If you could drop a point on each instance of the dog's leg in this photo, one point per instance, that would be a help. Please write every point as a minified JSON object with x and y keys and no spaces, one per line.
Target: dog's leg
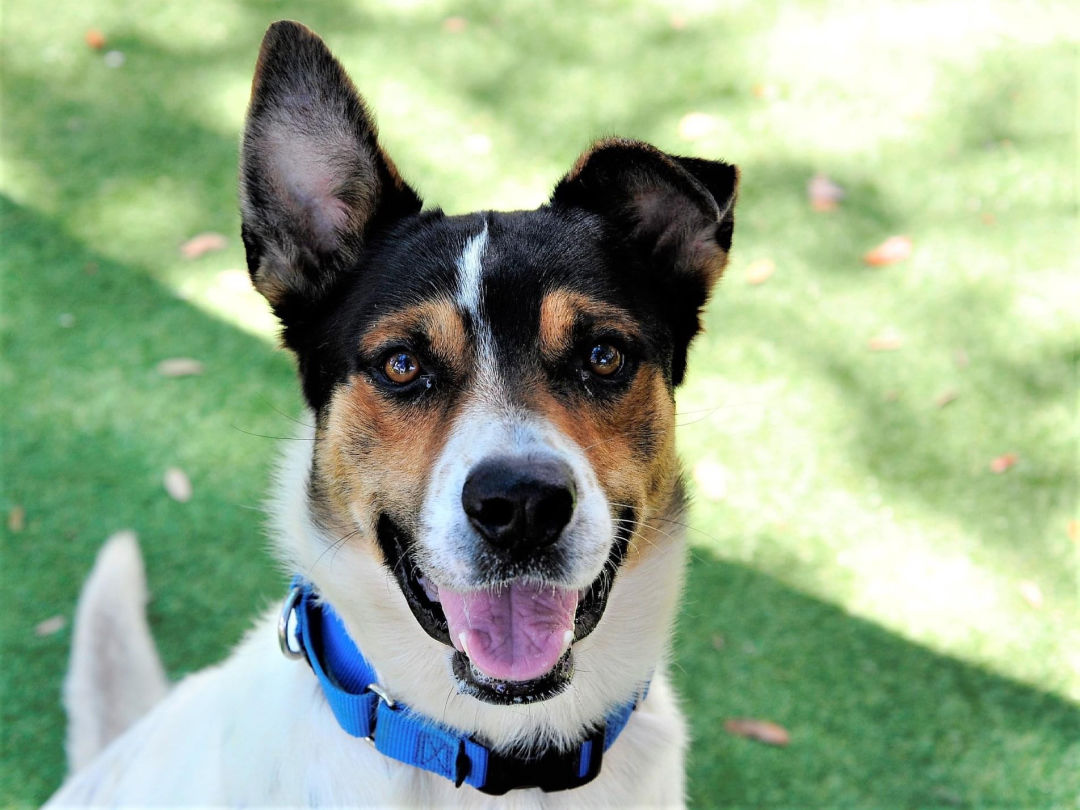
{"x":115,"y":674}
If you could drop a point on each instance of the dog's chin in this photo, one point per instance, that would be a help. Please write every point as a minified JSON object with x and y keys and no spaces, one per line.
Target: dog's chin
{"x":423,"y":599}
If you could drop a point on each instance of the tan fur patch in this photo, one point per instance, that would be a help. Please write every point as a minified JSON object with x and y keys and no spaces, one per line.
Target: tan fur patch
{"x":559,"y":312}
{"x":611,"y":437}
{"x":439,"y":320}
{"x":374,"y":455}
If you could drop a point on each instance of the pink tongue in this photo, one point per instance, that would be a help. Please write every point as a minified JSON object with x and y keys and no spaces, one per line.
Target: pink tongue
{"x":514,"y":633}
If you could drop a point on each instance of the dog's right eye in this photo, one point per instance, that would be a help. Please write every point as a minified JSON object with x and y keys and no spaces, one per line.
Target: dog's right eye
{"x":401,"y":368}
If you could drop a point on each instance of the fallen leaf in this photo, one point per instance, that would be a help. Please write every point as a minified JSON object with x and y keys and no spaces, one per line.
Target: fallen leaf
{"x":1003,"y":462}
{"x":988,"y":218}
{"x":696,"y":125}
{"x":824,"y":194}
{"x":50,"y":626}
{"x":16,"y":519}
{"x":757,"y":272}
{"x":946,"y":397}
{"x":1072,"y":528}
{"x":677,"y":21}
{"x":179,"y":367}
{"x":892,"y":395}
{"x":202,"y":244}
{"x":760,"y":730}
{"x":888,"y":340}
{"x":711,"y":479}
{"x":95,"y":39}
{"x":1032,"y":593}
{"x":455,"y":25}
{"x":892,"y":250}
{"x":764,"y":90}
{"x":177,"y":484}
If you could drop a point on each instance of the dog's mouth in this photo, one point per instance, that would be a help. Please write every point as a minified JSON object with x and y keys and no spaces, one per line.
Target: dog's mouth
{"x":513,"y":642}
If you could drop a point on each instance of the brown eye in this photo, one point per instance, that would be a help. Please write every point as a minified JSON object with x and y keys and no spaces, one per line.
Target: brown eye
{"x":401,"y":368}
{"x":605,"y":360}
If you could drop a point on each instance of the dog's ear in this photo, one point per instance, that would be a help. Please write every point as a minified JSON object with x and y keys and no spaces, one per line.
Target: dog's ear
{"x":676,"y":213}
{"x":314,"y":183}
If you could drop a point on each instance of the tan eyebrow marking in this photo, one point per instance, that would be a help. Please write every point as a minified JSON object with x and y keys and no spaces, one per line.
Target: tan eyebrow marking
{"x":438,"y":319}
{"x":559,"y":312}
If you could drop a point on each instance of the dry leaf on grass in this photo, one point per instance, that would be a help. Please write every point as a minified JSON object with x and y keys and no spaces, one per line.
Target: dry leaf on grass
{"x":1032,"y":593}
{"x":179,"y":367}
{"x":760,"y":730}
{"x":50,"y":626}
{"x":1005,"y":461}
{"x":202,"y":244}
{"x":824,"y":194}
{"x":1073,"y":530}
{"x":888,"y":340}
{"x":757,"y":272}
{"x":892,"y":250}
{"x":177,"y":484}
{"x":946,"y":397}
{"x":16,"y":519}
{"x":95,"y":39}
{"x":455,"y":25}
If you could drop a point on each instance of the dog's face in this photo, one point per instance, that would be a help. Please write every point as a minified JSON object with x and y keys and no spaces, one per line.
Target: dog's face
{"x":493,"y":393}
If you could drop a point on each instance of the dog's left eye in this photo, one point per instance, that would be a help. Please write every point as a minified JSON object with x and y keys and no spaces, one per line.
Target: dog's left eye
{"x":605,"y":360}
{"x":401,"y":368}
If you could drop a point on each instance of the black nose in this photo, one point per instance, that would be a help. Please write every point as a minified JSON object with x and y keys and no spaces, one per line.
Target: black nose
{"x":519,"y":503}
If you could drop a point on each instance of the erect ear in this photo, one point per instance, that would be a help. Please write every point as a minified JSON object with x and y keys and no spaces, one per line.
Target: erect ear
{"x":314,"y":183}
{"x":677,"y":214}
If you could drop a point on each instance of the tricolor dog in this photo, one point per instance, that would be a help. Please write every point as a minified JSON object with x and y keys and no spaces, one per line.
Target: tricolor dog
{"x":484,"y":525}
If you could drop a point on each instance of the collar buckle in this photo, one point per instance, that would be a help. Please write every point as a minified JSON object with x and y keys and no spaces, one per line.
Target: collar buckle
{"x":288,"y":625}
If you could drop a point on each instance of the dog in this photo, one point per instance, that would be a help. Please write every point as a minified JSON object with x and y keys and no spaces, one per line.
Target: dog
{"x":484,"y":523}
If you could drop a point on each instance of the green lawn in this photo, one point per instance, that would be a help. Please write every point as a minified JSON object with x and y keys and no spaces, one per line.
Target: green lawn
{"x":859,"y":574}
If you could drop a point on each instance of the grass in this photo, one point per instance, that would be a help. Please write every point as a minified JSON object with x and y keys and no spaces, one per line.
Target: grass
{"x":859,"y":575}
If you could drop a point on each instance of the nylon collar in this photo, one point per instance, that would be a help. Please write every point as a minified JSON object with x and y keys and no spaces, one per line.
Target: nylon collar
{"x":364,"y":709}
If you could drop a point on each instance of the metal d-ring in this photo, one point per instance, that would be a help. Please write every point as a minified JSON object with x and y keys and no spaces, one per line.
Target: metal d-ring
{"x":287,"y":610}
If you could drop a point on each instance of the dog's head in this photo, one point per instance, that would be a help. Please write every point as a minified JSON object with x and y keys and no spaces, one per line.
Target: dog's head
{"x":493,"y":457}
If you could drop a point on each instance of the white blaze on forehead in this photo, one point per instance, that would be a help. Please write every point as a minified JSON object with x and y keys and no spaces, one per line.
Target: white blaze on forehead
{"x":471,"y":273}
{"x":470,"y":265}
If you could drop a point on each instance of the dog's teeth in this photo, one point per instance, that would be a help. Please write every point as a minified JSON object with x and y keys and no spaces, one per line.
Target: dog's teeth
{"x":461,"y":641}
{"x":567,"y":640}
{"x":430,"y":590}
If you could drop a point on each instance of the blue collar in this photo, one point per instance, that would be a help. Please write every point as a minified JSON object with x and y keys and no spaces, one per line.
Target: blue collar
{"x":364,"y":709}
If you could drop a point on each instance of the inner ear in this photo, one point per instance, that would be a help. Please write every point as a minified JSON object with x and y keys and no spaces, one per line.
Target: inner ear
{"x":314,"y":182}
{"x":675,"y":215}
{"x":678,"y":211}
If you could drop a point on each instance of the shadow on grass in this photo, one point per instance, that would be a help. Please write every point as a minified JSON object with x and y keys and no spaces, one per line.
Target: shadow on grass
{"x":89,"y":428}
{"x":875,"y":720}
